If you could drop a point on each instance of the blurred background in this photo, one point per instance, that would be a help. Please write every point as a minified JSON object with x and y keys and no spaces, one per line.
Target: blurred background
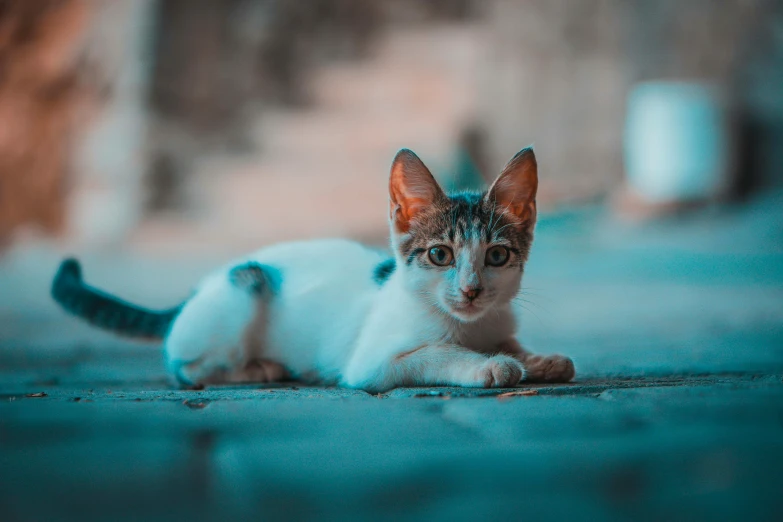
{"x":156,"y":138}
{"x":173,"y":122}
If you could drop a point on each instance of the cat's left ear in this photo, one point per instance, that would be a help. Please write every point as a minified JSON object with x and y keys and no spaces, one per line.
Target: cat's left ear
{"x":412,"y":189}
{"x":515,"y":189}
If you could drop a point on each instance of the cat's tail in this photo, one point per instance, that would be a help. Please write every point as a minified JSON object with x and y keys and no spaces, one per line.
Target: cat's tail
{"x":106,"y":311}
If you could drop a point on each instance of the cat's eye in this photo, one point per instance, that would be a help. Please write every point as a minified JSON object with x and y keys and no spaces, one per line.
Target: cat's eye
{"x":441,"y":255}
{"x":496,"y":256}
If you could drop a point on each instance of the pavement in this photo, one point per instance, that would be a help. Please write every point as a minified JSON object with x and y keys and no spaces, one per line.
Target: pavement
{"x":675,"y":326}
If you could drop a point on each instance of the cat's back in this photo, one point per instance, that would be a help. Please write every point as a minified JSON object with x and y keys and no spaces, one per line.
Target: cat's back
{"x":312,"y":259}
{"x":301,"y":264}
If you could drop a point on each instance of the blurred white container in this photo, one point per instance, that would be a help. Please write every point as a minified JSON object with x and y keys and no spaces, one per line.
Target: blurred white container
{"x":676,"y":142}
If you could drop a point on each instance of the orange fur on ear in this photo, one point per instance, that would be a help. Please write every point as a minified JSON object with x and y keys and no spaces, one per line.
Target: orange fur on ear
{"x":412,"y":189}
{"x":515,"y":189}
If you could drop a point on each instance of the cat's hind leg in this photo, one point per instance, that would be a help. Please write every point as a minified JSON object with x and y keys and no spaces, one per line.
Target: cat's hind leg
{"x":200,"y":372}
{"x":219,"y":334}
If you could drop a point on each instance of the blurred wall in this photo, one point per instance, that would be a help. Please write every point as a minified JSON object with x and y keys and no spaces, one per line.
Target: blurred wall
{"x":220,"y":65}
{"x":40,"y":45}
{"x":555,"y":77}
{"x":73,"y":133}
{"x":558,"y":74}
{"x":110,"y":156}
{"x":110,"y":109}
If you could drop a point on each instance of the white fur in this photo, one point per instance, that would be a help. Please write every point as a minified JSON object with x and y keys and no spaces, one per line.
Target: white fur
{"x":329,"y":322}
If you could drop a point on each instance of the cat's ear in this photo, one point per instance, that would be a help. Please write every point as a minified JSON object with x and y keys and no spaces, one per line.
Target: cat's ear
{"x":412,"y":189}
{"x":515,"y":189}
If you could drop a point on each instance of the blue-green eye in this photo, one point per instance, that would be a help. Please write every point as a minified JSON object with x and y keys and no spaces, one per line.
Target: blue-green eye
{"x":496,"y":256}
{"x":441,"y":255}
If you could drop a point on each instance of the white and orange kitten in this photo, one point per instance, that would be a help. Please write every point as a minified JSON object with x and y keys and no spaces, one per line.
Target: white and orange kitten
{"x":335,"y":312}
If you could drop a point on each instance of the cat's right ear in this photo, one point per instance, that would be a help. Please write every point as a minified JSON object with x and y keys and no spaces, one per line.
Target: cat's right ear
{"x":412,"y":189}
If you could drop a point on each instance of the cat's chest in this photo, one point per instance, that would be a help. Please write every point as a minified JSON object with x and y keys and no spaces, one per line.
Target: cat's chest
{"x":406,"y":320}
{"x":483,"y":335}
{"x":422,"y":325}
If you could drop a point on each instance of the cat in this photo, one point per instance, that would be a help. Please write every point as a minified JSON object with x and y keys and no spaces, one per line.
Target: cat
{"x":336,"y":312}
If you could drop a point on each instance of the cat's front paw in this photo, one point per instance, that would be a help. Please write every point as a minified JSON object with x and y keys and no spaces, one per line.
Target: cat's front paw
{"x":549,"y":368}
{"x":500,"y":371}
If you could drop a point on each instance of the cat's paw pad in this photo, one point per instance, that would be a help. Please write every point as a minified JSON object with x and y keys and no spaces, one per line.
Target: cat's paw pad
{"x":549,"y":368}
{"x":500,"y":371}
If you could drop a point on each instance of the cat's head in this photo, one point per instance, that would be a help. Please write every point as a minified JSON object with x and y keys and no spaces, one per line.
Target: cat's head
{"x":463,"y":253}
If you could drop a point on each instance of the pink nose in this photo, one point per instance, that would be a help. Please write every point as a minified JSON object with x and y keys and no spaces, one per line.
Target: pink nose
{"x":471,"y":293}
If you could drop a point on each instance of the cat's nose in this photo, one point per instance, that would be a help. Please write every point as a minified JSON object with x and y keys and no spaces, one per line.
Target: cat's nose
{"x":472,"y":292}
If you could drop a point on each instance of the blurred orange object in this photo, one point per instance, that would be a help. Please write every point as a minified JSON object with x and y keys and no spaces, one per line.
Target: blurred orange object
{"x":39,"y":49}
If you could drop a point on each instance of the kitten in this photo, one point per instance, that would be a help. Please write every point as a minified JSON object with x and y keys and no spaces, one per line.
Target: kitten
{"x":335,"y":312}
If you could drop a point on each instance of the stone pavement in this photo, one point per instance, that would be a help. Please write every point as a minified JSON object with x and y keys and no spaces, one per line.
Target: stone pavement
{"x":676,"y":329}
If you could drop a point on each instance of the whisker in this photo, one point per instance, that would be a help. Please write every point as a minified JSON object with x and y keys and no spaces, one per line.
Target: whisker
{"x":519,"y":300}
{"x":527,"y":292}
{"x":532,"y":312}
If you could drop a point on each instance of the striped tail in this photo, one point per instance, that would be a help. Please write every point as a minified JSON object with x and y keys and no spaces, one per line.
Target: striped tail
{"x":106,"y":311}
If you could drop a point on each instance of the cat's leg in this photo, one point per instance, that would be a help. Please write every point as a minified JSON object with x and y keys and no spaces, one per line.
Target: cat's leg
{"x":436,"y":365}
{"x":261,"y":370}
{"x":217,"y":337}
{"x":540,"y":368}
{"x":200,"y":372}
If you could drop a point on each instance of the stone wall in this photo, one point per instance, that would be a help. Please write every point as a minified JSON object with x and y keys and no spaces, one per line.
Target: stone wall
{"x":40,"y":44}
{"x":554,"y":77}
{"x":558,"y":73}
{"x":110,"y":156}
{"x":72,"y":107}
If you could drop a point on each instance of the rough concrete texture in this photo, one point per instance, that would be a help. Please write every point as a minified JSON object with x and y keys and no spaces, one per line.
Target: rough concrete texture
{"x":677,"y":414}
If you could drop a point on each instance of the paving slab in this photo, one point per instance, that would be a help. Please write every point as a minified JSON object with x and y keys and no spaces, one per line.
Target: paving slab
{"x":634,"y":451}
